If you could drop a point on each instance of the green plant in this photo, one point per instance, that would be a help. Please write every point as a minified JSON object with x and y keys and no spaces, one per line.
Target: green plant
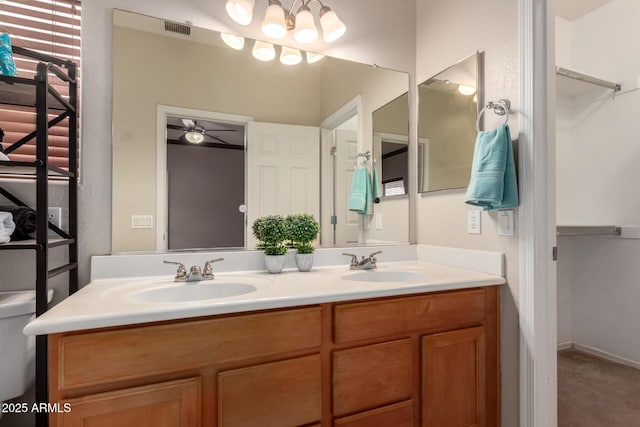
{"x":302,"y":229}
{"x":271,"y":231}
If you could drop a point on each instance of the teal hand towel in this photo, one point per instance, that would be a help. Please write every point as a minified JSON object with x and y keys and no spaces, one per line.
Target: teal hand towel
{"x":375,"y":192}
{"x":493,"y":182}
{"x":360,"y":200}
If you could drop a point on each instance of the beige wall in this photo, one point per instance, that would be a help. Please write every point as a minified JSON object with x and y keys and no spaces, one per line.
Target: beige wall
{"x":447,"y":32}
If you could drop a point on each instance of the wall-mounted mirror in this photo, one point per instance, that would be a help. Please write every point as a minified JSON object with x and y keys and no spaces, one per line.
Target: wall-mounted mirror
{"x":175,"y":92}
{"x":448,"y":106}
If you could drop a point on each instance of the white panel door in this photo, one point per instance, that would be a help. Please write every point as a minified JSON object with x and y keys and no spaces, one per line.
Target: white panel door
{"x":283,"y":171}
{"x":346,"y":153}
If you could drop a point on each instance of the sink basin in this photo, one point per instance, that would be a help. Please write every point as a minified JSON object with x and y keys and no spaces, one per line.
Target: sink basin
{"x":385,"y":276}
{"x":182,"y":292}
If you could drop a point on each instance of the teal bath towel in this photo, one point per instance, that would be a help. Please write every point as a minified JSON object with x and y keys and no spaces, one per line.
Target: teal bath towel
{"x":360,"y":198}
{"x":375,"y":192}
{"x":493,"y":182}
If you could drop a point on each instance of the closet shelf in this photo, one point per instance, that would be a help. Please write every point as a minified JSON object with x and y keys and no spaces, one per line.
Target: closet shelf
{"x":574,"y":83}
{"x":588,"y":230}
{"x":29,"y":169}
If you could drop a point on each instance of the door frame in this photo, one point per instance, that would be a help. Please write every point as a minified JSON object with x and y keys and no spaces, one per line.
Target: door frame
{"x":537,"y":221}
{"x":162,"y":111}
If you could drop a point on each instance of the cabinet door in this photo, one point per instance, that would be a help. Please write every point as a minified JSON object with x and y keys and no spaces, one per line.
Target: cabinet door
{"x":168,"y":404}
{"x":454,"y":378}
{"x":397,"y":415}
{"x":279,"y":394}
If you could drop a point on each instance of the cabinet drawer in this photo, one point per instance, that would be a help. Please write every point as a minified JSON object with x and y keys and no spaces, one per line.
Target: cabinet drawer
{"x":285,"y":393}
{"x":371,"y":376}
{"x":168,"y":404}
{"x":373,"y":319}
{"x":398,"y":415}
{"x":103,"y":357}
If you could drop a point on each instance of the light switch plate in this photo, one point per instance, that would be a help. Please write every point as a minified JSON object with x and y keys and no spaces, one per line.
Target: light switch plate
{"x":378,"y":221}
{"x":505,"y":223}
{"x":473,"y":222}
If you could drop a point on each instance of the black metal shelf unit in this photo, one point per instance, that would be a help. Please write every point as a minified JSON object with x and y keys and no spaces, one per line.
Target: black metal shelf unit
{"x":39,"y":94}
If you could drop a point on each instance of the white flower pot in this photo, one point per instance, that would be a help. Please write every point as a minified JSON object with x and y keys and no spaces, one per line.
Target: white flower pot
{"x":304,"y":261}
{"x":274,"y":263}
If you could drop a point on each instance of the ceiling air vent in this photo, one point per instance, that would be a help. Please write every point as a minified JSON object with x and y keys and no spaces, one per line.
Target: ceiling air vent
{"x":176,"y":27}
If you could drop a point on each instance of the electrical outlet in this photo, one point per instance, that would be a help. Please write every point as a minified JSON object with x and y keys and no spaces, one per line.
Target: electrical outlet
{"x":55,"y":216}
{"x":473,"y":222}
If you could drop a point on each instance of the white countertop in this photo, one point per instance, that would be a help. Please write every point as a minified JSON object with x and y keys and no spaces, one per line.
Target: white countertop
{"x":114,"y":302}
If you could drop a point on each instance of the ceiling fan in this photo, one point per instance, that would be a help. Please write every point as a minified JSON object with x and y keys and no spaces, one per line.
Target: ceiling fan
{"x":194,"y":133}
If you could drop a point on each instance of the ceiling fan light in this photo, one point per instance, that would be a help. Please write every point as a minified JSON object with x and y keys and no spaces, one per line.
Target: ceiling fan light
{"x":274,"y":25}
{"x":290,"y":56}
{"x":332,"y":27}
{"x":305,"y":31}
{"x":312,"y":58}
{"x":263,"y":51}
{"x":241,"y":11}
{"x":466,"y":90}
{"x":194,"y":136}
{"x":233,"y":41}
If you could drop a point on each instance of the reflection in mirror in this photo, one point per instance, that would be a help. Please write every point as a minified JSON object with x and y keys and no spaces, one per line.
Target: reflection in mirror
{"x":287,"y":113}
{"x":447,"y":111}
{"x":391,"y":163}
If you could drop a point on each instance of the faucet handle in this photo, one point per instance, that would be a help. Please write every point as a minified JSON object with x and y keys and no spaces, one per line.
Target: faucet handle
{"x":208,"y":268}
{"x":375,"y":253}
{"x":354,"y":258}
{"x":182,"y":271}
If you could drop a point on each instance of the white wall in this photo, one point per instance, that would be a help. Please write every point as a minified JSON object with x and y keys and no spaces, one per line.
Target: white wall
{"x":598,"y":149}
{"x":447,"y":32}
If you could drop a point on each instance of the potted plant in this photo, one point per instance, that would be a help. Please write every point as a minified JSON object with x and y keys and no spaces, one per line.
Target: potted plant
{"x":302,"y":231}
{"x":271,"y":231}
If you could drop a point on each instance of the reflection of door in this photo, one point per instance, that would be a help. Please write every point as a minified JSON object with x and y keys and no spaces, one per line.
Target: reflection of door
{"x":205,"y":188}
{"x":346,"y":152}
{"x":283,"y":171}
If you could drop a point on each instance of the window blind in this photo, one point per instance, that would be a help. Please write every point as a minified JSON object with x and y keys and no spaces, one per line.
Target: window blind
{"x":51,"y":27}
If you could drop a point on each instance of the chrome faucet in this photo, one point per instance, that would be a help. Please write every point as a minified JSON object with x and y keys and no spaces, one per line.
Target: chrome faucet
{"x":196,"y":274}
{"x":367,"y":263}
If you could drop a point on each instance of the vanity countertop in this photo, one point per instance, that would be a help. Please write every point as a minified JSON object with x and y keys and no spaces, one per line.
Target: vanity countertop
{"x":117,"y":302}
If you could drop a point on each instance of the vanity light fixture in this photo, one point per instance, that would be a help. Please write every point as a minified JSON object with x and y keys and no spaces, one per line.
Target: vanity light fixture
{"x":312,"y":58}
{"x":290,"y":56}
{"x":240,"y":11}
{"x":233,"y":41}
{"x":466,"y":90}
{"x":263,"y":51}
{"x":278,"y":21}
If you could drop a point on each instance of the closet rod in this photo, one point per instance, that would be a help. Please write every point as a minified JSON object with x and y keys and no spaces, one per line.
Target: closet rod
{"x":588,"y":79}
{"x":589,"y":230}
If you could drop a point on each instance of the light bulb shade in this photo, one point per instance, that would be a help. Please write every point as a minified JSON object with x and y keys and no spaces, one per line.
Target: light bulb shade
{"x":194,"y":136}
{"x":466,"y":90}
{"x":233,"y":41}
{"x":290,"y":56}
{"x":305,"y":31}
{"x":274,"y":25}
{"x":263,"y":51}
{"x":240,"y":11}
{"x":313,"y":57}
{"x":332,"y":26}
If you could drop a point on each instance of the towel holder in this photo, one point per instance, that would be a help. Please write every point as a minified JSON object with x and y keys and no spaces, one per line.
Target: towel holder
{"x":500,"y":107}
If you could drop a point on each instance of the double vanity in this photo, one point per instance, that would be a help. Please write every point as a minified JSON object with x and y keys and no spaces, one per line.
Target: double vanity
{"x":409,"y":343}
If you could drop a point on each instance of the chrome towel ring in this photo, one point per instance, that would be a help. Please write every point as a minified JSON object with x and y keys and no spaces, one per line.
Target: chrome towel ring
{"x":500,"y":107}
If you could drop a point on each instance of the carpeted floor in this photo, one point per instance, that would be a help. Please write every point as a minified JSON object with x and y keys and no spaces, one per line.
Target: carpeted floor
{"x":594,"y":392}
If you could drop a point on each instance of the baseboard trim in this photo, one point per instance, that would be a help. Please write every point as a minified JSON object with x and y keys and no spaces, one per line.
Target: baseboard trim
{"x":565,"y":345}
{"x":599,"y":353}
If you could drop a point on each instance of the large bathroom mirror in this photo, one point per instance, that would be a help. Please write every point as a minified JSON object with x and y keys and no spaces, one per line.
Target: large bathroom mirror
{"x":448,"y":107}
{"x":206,"y":138}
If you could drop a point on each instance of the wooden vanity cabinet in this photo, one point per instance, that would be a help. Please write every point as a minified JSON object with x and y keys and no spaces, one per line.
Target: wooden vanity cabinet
{"x":421,"y":360}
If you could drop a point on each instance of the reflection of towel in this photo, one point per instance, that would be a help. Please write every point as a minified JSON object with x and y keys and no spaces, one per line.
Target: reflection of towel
{"x":375,"y":193}
{"x":360,"y":199}
{"x":493,"y":182}
{"x":24,"y":219}
{"x":6,"y":226}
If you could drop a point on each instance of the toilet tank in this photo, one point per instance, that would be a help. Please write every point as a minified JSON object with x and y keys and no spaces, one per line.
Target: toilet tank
{"x":17,"y":351}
